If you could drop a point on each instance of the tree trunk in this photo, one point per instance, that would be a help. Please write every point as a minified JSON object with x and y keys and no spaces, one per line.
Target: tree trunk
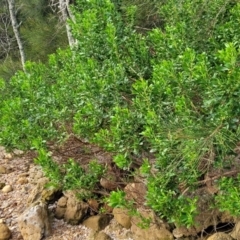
{"x":64,"y":8}
{"x":11,"y":7}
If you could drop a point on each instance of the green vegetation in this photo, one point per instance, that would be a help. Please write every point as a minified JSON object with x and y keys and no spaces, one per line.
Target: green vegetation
{"x":71,"y":175}
{"x":170,"y":93}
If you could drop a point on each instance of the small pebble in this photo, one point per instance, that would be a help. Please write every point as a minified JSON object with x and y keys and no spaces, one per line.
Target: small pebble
{"x":7,"y":188}
{"x":8,"y":156}
{"x":22,"y":180}
{"x":3,"y":170}
{"x":5,"y":233}
{"x":18,"y":152}
{"x":24,"y":175}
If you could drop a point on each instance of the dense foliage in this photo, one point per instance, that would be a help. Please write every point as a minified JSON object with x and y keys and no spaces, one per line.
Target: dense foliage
{"x":165,"y":99}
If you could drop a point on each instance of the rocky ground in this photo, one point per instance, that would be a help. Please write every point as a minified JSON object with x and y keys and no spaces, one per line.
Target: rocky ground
{"x":19,"y":175}
{"x":18,"y":178}
{"x":22,"y":189}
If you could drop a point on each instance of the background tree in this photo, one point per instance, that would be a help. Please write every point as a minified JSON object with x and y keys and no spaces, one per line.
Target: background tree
{"x":15,"y":26}
{"x":41,"y":32}
{"x":9,"y":53}
{"x":6,"y":40}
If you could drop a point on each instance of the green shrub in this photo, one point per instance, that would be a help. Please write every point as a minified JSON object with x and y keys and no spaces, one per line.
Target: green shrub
{"x":71,"y":175}
{"x":167,"y":100}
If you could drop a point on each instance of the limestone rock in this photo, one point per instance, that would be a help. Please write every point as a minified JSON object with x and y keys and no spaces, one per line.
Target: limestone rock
{"x":34,"y":222}
{"x":62,"y":202}
{"x":184,"y":231}
{"x":76,"y":210}
{"x":35,"y":174}
{"x":122,"y":217}
{"x":158,"y":230}
{"x":40,"y":193}
{"x":24,"y":174}
{"x":3,"y":170}
{"x":5,"y":233}
{"x":220,"y":236}
{"x":59,"y":212}
{"x":8,"y":156}
{"x":7,"y":188}
{"x":18,"y":152}
{"x":61,"y":207}
{"x":154,"y":232}
{"x":98,"y":222}
{"x":102,"y":236}
{"x":49,"y":194}
{"x":22,"y":180}
{"x":235,"y":234}
{"x":118,"y":231}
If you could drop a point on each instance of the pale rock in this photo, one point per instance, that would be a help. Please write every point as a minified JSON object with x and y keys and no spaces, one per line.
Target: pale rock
{"x":235,"y":234}
{"x":177,"y":233}
{"x":184,"y":231}
{"x":34,"y":222}
{"x":158,"y":230}
{"x":18,"y":152}
{"x":59,"y":212}
{"x":119,"y":231}
{"x":220,"y":236}
{"x":5,"y":233}
{"x":154,"y":232}
{"x":40,"y":193}
{"x":3,"y":170}
{"x":62,"y":202}
{"x":101,"y":236}
{"x":22,"y":180}
{"x":7,"y":189}
{"x":76,"y":210}
{"x":122,"y":217}
{"x":24,"y":174}
{"x":61,"y":207}
{"x":98,"y":222}
{"x":42,"y":181}
{"x":35,"y":173}
{"x":49,"y":194}
{"x":8,"y":156}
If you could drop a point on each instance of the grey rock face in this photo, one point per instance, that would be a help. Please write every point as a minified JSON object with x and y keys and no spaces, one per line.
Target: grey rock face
{"x":34,"y":222}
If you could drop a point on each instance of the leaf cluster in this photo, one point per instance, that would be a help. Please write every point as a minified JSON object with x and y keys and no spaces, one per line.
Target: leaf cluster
{"x":71,"y":176}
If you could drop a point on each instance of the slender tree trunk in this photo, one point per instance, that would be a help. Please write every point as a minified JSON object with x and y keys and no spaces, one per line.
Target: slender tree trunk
{"x":11,"y":7}
{"x":64,"y":8}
